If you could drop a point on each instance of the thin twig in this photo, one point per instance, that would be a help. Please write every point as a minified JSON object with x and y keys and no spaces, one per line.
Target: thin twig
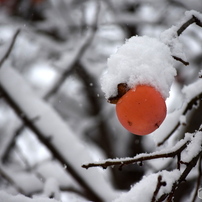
{"x":159,"y":184}
{"x":181,"y":60}
{"x":182,"y":28}
{"x":9,"y":48}
{"x":189,"y":22}
{"x":136,"y":159}
{"x":11,"y":144}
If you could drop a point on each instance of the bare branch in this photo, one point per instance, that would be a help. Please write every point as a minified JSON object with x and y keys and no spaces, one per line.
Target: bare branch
{"x":10,"y":48}
{"x":181,"y":60}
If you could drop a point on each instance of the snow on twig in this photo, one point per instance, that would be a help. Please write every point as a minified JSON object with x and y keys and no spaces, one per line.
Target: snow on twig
{"x":170,"y":36}
{"x":166,"y":181}
{"x":154,"y":188}
{"x":165,"y":153}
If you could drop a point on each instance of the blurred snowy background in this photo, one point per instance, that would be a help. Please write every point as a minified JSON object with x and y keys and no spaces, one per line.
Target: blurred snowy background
{"x":54,"y":69}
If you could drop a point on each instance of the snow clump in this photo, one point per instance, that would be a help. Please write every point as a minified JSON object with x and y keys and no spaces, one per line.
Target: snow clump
{"x":140,"y":61}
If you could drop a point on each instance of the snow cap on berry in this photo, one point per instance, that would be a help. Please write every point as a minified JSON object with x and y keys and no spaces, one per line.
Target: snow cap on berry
{"x":141,"y":60}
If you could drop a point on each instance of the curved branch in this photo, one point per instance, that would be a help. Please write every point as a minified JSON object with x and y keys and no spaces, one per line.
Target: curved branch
{"x":184,"y":26}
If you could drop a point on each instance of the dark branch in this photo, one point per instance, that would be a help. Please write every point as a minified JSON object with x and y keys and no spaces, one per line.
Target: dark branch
{"x":11,"y":144}
{"x":182,"y":29}
{"x":189,"y":22}
{"x":10,"y":48}
{"x":108,"y":163}
{"x":181,"y":60}
{"x":159,"y":184}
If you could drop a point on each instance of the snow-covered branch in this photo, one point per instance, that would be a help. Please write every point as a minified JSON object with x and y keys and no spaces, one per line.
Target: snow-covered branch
{"x":170,"y":36}
{"x":57,"y":137}
{"x":164,"y":153}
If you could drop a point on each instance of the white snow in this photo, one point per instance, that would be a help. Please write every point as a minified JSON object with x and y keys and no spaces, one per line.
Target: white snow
{"x":28,"y":182}
{"x":167,"y":126}
{"x":189,"y":92}
{"x":193,"y":148}
{"x":192,"y":90}
{"x":52,"y":169}
{"x":5,"y":197}
{"x":189,"y":14}
{"x":165,"y":150}
{"x":63,"y":139}
{"x":51,"y":188}
{"x":141,"y":60}
{"x":183,"y":120}
{"x":143,"y":191}
{"x":170,"y":38}
{"x":22,"y":180}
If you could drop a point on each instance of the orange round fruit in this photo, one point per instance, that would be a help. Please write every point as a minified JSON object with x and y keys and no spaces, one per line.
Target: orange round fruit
{"x":141,"y":110}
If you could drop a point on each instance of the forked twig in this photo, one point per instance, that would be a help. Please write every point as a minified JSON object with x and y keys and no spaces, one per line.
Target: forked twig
{"x":159,"y":184}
